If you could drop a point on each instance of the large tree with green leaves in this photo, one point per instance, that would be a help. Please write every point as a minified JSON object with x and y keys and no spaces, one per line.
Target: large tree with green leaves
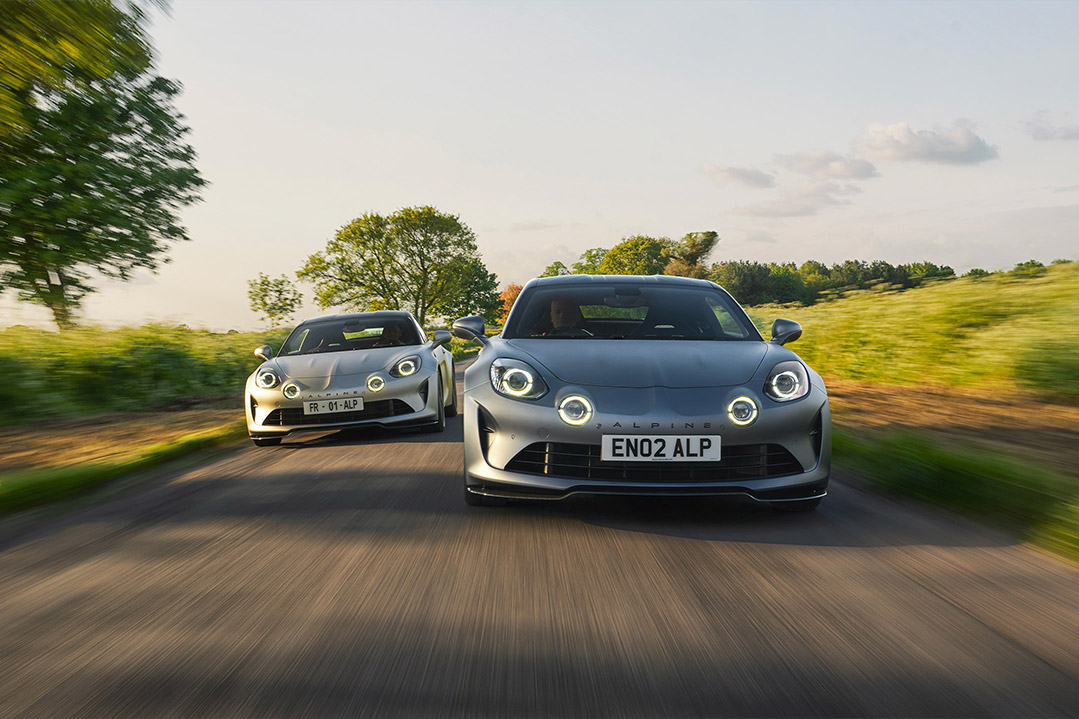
{"x":64,"y":44}
{"x":93,"y":185}
{"x":636,"y":255}
{"x":686,"y":257}
{"x":417,"y":259}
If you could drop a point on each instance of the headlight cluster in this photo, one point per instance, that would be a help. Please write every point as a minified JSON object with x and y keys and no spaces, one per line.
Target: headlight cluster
{"x":514,"y":378}
{"x":267,"y":379}
{"x":787,"y":381}
{"x":743,"y":411}
{"x":406,"y":367}
{"x":291,"y":390}
{"x":375,"y":383}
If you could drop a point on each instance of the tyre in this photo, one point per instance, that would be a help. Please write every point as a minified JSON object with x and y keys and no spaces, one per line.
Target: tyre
{"x":439,"y":425}
{"x":451,"y":408}
{"x":266,"y":441}
{"x":805,"y":505}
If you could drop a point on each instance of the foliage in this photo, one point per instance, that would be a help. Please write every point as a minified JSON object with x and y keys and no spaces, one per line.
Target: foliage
{"x":94,"y":184}
{"x":88,"y":371}
{"x":589,"y":262}
{"x":507,"y":298}
{"x":414,"y":259}
{"x":686,"y":256}
{"x":636,"y":255}
{"x":755,"y":283}
{"x":1035,"y":502}
{"x":274,"y":297}
{"x":1030,"y":268}
{"x":48,"y":45}
{"x":993,"y":331}
{"x":474,"y":292}
{"x":976,"y":272}
{"x":555,"y":269}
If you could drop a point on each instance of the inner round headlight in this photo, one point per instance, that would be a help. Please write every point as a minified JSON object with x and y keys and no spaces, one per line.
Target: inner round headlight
{"x":291,"y":390}
{"x":267,"y":379}
{"x":743,"y":411}
{"x":375,"y":383}
{"x":406,"y":367}
{"x":575,"y":410}
{"x":785,"y":384}
{"x":517,"y":381}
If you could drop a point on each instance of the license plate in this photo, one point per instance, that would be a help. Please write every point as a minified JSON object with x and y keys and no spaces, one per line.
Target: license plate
{"x":325,"y":406}
{"x":660,"y":448}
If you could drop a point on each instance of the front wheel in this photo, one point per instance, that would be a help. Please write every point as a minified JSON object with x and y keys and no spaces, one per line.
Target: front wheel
{"x":266,"y":441}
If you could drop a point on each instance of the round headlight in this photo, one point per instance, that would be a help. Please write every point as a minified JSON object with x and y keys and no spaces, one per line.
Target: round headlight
{"x":575,"y":410}
{"x":406,"y":367}
{"x":375,"y":383}
{"x":787,"y":381}
{"x":517,"y":381}
{"x":743,"y":411}
{"x":291,"y":390}
{"x":267,"y":379}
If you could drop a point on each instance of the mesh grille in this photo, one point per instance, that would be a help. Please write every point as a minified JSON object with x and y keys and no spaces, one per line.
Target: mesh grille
{"x":293,"y":416}
{"x":747,"y":461}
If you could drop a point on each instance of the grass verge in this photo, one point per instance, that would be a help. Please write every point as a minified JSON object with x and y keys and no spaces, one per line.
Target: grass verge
{"x":35,"y":487}
{"x":1041,"y":506}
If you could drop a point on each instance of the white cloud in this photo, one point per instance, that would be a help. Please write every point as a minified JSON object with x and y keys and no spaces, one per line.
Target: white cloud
{"x":1040,"y":128}
{"x":955,"y":145}
{"x":807,"y":201}
{"x":739,"y":175}
{"x":827,"y":165}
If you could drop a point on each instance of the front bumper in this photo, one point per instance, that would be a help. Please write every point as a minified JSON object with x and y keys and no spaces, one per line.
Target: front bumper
{"x":515,"y":449}
{"x":404,"y":402}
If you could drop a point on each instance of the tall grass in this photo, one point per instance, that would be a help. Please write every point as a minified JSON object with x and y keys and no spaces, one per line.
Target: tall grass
{"x":90,"y":370}
{"x":1007,"y":330}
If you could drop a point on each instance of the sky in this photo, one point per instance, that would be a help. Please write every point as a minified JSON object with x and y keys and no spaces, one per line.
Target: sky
{"x":906,"y":131}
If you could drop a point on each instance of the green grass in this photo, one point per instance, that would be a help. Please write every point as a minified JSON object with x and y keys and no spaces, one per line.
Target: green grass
{"x":35,"y":487}
{"x":1039,"y":505}
{"x":88,"y":371}
{"x":1007,"y":330}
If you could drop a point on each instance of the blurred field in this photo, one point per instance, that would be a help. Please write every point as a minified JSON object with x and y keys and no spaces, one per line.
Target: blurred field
{"x":1004,"y":332}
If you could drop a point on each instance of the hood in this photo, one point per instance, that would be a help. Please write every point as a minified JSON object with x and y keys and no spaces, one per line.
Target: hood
{"x":646,"y":363}
{"x":338,"y":364}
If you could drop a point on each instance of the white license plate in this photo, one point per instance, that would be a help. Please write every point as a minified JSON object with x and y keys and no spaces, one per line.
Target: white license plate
{"x":660,"y":448}
{"x":325,"y":406}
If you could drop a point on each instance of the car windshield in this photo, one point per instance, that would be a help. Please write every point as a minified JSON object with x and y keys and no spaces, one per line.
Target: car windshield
{"x":628,"y":311}
{"x":339,"y":335}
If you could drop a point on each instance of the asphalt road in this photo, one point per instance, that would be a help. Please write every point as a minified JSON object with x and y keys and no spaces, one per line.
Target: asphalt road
{"x":345,"y":576}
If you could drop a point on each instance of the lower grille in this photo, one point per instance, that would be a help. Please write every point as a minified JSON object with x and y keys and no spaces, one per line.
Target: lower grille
{"x":582,"y":461}
{"x":293,"y":416}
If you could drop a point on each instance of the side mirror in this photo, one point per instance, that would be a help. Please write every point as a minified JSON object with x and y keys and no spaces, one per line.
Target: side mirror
{"x":784,"y":331}
{"x":441,"y":337}
{"x":264,"y":353}
{"x":470,"y":328}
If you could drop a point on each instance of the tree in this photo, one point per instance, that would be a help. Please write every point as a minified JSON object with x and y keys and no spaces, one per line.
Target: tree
{"x":412,"y":259}
{"x":93,"y":184}
{"x":274,"y":297}
{"x":686,"y":257}
{"x":508,"y":297}
{"x":556,"y":269}
{"x":589,"y":262}
{"x":636,"y":255}
{"x":49,"y":45}
{"x":474,"y":292}
{"x":746,"y":281}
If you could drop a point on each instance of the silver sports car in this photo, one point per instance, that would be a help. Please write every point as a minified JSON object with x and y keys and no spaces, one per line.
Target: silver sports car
{"x":640,"y":385}
{"x":341,"y":371}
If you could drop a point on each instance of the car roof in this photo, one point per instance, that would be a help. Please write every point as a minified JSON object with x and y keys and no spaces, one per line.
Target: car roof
{"x":379,"y":315}
{"x":608,"y":279}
